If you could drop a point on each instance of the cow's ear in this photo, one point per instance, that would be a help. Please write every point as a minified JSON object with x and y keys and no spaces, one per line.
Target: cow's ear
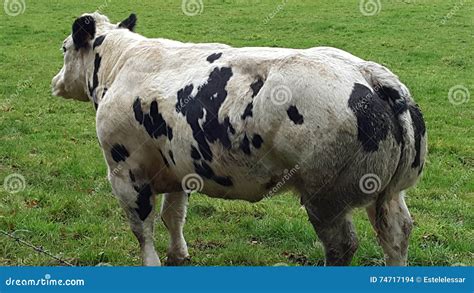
{"x":130,"y":22}
{"x":83,"y":31}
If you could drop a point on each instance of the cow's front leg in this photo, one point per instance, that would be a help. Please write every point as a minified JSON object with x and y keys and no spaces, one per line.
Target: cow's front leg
{"x":173,"y":214}
{"x":138,"y":201}
{"x":333,"y":224}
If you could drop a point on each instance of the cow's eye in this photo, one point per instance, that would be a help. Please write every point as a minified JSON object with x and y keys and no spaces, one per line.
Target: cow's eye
{"x":64,"y":49}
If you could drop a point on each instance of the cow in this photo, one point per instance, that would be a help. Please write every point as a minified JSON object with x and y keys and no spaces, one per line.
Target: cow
{"x":245,"y":124}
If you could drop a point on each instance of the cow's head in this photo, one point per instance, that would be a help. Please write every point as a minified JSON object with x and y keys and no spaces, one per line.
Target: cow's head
{"x":77,"y":49}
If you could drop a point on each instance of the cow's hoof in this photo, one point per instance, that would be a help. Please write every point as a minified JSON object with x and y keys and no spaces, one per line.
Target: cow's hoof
{"x":103,"y":264}
{"x":177,"y":261}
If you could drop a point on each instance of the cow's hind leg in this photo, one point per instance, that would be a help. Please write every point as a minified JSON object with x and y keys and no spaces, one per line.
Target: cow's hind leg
{"x":137,"y":199}
{"x":173,"y":214}
{"x":392,"y":223}
{"x":333,"y":224}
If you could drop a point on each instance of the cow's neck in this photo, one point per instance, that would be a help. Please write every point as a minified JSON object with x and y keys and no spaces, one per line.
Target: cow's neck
{"x":106,"y":62}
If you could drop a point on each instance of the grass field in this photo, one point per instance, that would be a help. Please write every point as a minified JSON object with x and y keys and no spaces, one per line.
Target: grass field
{"x":66,"y":205}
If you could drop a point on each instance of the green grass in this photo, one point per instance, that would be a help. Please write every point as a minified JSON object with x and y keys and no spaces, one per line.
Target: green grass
{"x":67,"y":205}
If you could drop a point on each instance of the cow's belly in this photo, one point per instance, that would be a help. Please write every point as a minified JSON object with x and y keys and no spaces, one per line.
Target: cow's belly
{"x":235,"y":175}
{"x":249,"y":191}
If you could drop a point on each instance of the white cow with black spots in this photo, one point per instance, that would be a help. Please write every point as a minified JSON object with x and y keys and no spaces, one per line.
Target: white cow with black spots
{"x":238,"y":119}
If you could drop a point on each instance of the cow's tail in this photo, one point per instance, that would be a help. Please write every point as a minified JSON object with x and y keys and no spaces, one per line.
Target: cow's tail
{"x":387,"y":85}
{"x":410,"y":126}
{"x":391,"y":217}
